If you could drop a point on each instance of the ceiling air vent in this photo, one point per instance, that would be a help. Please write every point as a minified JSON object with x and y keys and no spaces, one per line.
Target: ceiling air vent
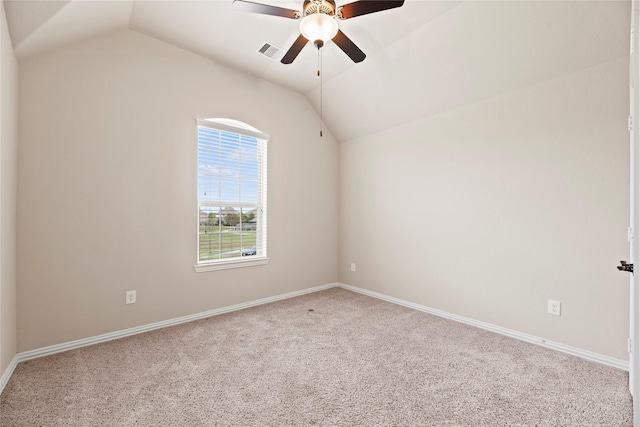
{"x":271,"y":51}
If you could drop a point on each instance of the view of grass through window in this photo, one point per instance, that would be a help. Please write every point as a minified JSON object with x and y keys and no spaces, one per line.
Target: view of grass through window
{"x":222,"y":235}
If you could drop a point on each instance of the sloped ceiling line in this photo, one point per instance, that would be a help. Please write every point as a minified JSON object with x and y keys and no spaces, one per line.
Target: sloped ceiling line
{"x":422,"y":58}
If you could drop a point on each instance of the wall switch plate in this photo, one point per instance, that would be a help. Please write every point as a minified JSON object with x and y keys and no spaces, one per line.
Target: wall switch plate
{"x":553,"y":307}
{"x":353,"y":266}
{"x":130,"y":297}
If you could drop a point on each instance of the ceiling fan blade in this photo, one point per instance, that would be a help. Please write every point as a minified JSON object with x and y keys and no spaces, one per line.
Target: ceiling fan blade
{"x":294,"y":50}
{"x":248,"y":6}
{"x":349,"y":47}
{"x":363,"y":7}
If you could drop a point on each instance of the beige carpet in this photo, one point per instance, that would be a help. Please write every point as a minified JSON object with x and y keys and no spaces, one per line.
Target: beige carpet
{"x":333,"y":358}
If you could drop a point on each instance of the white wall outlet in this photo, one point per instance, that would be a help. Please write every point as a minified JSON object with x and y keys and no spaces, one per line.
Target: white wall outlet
{"x":553,"y":307}
{"x":353,"y":266}
{"x":130,"y":297}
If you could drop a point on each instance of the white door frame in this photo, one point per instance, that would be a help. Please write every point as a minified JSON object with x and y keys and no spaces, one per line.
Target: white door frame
{"x":634,"y":291}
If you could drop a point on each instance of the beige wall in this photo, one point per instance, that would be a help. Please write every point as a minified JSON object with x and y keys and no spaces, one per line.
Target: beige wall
{"x":488,"y":211}
{"x":8,"y":164}
{"x":107,"y":188}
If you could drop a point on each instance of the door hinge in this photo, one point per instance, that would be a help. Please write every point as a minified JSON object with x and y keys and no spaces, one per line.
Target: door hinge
{"x":630,"y":123}
{"x":629,"y":234}
{"x":630,"y":345}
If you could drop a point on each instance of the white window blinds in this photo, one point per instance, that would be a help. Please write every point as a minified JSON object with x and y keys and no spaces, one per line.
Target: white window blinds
{"x":232,"y":159}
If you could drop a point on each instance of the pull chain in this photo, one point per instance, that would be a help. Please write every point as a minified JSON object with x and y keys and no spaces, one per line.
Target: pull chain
{"x":320,"y":75}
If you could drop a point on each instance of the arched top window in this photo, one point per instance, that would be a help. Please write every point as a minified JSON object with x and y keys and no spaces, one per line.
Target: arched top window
{"x":232,"y":194}
{"x":238,"y":125}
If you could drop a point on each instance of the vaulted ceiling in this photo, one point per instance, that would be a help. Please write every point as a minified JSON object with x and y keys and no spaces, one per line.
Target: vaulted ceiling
{"x":422,"y":59}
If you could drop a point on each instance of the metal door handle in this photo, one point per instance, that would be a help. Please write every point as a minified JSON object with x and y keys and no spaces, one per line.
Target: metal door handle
{"x":625,"y":267}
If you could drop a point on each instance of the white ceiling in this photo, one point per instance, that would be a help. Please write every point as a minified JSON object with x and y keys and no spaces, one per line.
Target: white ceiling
{"x":422,"y":59}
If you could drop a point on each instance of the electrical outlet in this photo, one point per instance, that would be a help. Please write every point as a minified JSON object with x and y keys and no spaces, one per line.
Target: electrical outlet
{"x":353,"y":266}
{"x":131,"y":297}
{"x":553,"y":307}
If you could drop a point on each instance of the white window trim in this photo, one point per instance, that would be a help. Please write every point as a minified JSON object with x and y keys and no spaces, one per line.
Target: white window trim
{"x":230,"y":263}
{"x":224,"y":264}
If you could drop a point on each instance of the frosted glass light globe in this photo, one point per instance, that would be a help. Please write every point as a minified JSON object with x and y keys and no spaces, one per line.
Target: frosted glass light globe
{"x":318,"y":26}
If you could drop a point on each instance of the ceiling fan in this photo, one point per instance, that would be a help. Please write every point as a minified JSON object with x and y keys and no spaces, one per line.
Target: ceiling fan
{"x":318,"y":23}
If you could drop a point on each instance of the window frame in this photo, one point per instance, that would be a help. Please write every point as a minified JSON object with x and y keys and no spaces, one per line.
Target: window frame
{"x":261,"y":258}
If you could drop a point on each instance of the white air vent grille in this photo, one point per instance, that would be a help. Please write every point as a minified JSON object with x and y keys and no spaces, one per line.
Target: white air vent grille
{"x":271,"y":51}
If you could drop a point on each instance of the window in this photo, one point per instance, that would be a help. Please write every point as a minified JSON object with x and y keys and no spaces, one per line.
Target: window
{"x":232,"y":195}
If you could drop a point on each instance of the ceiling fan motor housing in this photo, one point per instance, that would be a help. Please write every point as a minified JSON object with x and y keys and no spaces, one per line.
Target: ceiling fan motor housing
{"x":327,"y":7}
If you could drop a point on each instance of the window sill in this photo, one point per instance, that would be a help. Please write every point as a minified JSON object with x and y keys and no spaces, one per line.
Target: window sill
{"x":234,"y":263}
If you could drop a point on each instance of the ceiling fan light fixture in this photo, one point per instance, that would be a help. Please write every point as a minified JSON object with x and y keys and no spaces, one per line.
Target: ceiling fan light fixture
{"x":318,"y":28}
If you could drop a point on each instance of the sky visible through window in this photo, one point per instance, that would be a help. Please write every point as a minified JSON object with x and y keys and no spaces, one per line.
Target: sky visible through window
{"x":227,"y":167}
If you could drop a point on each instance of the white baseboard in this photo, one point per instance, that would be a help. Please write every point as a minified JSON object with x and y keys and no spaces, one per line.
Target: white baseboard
{"x":4,"y":379}
{"x":58,"y":348}
{"x":594,"y":357}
